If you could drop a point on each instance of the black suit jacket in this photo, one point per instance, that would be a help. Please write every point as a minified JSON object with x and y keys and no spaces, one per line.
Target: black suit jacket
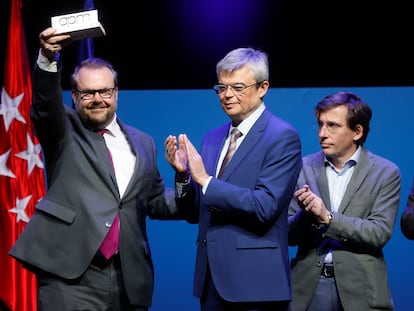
{"x":68,"y":226}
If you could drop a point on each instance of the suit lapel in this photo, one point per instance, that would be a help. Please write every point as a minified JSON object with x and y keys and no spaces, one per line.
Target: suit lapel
{"x":361,"y":172}
{"x":249,"y":142}
{"x":211,"y":148}
{"x":357,"y":180}
{"x":105,"y":166}
{"x":137,"y":150}
{"x":318,"y":167}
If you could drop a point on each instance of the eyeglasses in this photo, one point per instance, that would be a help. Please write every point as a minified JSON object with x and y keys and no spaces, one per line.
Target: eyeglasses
{"x":89,"y":94}
{"x":332,"y":127}
{"x":238,"y":88}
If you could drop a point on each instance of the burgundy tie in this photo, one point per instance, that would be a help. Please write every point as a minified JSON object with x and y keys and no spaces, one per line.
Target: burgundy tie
{"x":110,"y":244}
{"x":235,"y":134}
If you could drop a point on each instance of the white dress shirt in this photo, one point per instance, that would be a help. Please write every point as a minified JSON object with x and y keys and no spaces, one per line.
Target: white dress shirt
{"x":122,"y":156}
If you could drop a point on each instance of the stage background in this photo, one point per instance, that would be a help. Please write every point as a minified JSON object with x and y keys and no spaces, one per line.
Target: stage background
{"x":164,"y":112}
{"x":175,"y":44}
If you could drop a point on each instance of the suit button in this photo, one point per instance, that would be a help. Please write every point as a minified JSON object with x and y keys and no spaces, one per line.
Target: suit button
{"x":205,"y":242}
{"x":108,"y":225}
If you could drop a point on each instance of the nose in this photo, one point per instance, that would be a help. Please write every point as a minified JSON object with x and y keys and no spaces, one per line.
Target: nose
{"x":322,"y":130}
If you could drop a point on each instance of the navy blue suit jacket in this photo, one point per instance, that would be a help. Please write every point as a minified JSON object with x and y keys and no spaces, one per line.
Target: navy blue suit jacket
{"x":242,"y":217}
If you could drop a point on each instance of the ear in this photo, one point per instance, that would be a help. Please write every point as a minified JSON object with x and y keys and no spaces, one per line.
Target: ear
{"x":263,"y":88}
{"x":115,"y":94}
{"x":359,"y":131}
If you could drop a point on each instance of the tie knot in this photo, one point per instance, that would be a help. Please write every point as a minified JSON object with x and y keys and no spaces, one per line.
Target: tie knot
{"x":235,"y":133}
{"x":101,"y":132}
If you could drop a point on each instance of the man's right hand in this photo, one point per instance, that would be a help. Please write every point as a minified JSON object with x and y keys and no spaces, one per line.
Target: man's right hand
{"x":50,"y":43}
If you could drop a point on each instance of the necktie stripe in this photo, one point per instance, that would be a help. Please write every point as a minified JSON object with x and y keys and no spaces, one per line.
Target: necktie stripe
{"x":235,"y":134}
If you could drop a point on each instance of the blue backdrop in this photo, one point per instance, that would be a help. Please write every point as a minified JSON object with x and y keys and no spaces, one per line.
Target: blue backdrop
{"x":164,"y":112}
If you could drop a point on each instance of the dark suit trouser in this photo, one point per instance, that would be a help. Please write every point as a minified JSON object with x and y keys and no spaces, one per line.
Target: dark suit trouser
{"x":325,"y":297}
{"x":100,"y":288}
{"x":212,"y":301}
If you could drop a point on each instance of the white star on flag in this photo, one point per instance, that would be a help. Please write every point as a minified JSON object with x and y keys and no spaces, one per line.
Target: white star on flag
{"x":19,"y":210}
{"x":9,"y":108}
{"x":22,"y":176}
{"x":32,"y":155}
{"x":4,"y":170}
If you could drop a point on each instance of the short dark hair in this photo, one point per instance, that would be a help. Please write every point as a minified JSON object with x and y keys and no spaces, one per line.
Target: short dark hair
{"x":358,"y":111}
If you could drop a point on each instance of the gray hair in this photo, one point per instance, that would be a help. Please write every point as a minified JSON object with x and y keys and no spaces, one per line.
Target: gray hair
{"x":255,"y":60}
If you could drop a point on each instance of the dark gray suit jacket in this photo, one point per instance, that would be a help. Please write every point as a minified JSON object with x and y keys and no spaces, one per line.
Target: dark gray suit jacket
{"x":68,"y":226}
{"x":358,"y":233}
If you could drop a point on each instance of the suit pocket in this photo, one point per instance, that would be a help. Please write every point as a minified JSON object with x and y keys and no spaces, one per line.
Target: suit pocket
{"x":56,"y":210}
{"x":244,"y":242}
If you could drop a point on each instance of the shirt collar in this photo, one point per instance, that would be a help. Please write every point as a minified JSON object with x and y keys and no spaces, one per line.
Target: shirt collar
{"x":353,"y":160}
{"x":245,"y":126}
{"x":113,"y":127}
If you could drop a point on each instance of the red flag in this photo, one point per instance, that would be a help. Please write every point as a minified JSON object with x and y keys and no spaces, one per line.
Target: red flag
{"x":21,"y":168}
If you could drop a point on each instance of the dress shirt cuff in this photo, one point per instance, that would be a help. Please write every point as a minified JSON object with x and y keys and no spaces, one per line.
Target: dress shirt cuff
{"x":45,"y":64}
{"x":205,"y":186}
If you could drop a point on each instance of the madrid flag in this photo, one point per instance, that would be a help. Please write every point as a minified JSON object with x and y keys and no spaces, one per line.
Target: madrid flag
{"x":21,"y":167}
